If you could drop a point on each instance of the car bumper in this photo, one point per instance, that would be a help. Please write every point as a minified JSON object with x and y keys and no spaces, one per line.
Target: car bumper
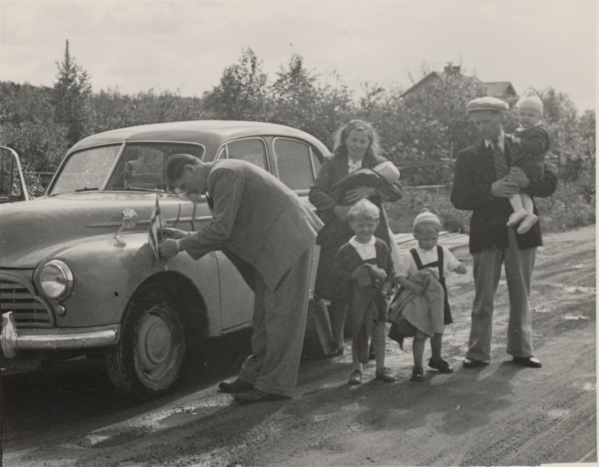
{"x":13,"y":340}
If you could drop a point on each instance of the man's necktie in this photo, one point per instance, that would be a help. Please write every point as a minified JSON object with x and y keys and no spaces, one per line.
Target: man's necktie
{"x":501,"y":168}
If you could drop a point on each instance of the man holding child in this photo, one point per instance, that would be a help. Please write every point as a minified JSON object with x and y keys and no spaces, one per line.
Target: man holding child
{"x":483,"y":184}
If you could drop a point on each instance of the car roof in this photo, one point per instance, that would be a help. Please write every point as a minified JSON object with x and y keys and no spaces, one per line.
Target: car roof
{"x":210,"y":133}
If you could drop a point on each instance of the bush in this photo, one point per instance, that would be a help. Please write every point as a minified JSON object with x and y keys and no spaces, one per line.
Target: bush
{"x":402,"y":212}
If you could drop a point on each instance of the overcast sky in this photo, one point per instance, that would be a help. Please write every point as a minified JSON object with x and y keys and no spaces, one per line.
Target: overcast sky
{"x":184,"y":46}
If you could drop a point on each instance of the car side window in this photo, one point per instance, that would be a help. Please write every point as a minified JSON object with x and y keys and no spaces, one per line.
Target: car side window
{"x":249,"y":150}
{"x":142,"y":165}
{"x":294,"y":161}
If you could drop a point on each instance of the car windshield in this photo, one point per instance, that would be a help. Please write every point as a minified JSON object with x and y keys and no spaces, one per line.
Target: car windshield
{"x":86,"y":170}
{"x":140,"y":167}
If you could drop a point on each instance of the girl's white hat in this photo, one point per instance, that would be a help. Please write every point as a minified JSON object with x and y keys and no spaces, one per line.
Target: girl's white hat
{"x":388,"y":171}
{"x":530,"y":100}
{"x":427,"y":217}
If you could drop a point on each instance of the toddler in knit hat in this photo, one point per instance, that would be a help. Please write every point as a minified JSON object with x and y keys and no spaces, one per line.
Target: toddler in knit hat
{"x":420,"y":308}
{"x":531,"y":142}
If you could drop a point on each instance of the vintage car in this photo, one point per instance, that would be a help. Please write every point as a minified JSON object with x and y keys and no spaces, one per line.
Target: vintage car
{"x":12,"y":181}
{"x":78,"y":275}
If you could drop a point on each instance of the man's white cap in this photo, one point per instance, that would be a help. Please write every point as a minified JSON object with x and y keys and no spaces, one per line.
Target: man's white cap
{"x":530,"y":100}
{"x":388,"y":171}
{"x":427,"y":217}
{"x":486,"y":103}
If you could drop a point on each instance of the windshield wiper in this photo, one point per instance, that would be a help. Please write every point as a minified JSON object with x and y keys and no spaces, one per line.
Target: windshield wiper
{"x":86,"y":189}
{"x":134,"y":188}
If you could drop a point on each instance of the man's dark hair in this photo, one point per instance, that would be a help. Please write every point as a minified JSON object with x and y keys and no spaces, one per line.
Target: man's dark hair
{"x":175,"y":165}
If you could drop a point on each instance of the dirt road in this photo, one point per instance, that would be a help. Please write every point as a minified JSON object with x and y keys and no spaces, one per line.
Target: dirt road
{"x":501,"y":414}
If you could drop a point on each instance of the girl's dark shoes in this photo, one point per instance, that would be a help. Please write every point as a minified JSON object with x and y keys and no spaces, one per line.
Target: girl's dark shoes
{"x":441,"y":365}
{"x":417,"y":374}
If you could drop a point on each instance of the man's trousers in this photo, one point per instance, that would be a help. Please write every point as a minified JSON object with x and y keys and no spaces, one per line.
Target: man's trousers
{"x":518,"y":265}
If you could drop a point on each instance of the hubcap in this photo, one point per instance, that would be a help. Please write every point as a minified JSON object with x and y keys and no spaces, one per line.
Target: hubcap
{"x":156,"y":353}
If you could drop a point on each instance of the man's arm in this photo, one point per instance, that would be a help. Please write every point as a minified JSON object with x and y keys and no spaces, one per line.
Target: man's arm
{"x":543,"y":187}
{"x":226,"y":188}
{"x":468,"y":195}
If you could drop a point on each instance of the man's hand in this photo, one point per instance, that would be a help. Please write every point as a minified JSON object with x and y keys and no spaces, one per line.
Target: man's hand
{"x":356,"y":194}
{"x":461,"y":269}
{"x":504,"y":188}
{"x":519,"y":177}
{"x":341,"y":212}
{"x":168,"y":248}
{"x":169,"y":232}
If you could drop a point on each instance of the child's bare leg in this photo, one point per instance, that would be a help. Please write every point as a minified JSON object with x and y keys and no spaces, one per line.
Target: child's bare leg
{"x":531,"y":218}
{"x":356,"y":374}
{"x":378,"y":341}
{"x":436,"y":360}
{"x":519,"y":211}
{"x":418,"y":353}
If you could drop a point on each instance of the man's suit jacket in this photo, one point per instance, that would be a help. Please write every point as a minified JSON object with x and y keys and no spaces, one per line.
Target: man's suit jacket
{"x":474,"y":175}
{"x":256,"y":220}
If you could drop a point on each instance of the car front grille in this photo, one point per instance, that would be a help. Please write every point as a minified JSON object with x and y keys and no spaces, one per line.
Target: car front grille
{"x":18,"y":295}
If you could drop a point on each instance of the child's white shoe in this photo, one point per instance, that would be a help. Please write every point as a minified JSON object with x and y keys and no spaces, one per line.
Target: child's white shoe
{"x":516,"y":217}
{"x":527,"y":223}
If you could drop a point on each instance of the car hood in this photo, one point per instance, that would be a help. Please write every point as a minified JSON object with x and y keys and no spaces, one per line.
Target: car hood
{"x":33,"y":230}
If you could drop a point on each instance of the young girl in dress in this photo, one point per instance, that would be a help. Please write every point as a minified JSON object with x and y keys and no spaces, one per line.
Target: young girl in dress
{"x":421,"y":307}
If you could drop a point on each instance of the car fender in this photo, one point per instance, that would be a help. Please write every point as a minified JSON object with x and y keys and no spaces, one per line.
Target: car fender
{"x":108,"y":270}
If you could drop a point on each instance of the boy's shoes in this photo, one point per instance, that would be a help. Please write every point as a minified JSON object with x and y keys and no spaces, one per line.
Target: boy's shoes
{"x":335,"y":351}
{"x":255,"y":395}
{"x":472,"y":363}
{"x":235,"y":387}
{"x":441,"y":365}
{"x":355,"y":377}
{"x":516,"y":217}
{"x":527,"y":223}
{"x":530,"y":362}
{"x":417,"y":374}
{"x":384,"y":374}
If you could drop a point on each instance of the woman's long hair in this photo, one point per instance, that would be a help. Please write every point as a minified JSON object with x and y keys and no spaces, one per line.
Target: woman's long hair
{"x":374,"y":148}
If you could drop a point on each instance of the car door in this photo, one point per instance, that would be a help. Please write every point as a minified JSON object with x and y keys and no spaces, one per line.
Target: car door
{"x":12,"y":182}
{"x":237,"y":299}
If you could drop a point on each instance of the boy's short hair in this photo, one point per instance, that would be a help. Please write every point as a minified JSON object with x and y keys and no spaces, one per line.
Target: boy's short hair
{"x":363,"y":208}
{"x":426,"y":218}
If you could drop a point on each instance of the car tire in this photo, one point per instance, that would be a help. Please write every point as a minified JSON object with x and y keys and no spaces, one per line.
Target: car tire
{"x":146,"y":362}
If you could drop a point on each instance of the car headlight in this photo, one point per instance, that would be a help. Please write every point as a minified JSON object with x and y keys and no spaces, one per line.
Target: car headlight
{"x":56,"y":280}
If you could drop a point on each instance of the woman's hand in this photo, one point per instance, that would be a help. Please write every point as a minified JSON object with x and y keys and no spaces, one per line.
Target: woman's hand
{"x":356,"y":194}
{"x":169,"y":232}
{"x":341,"y":212}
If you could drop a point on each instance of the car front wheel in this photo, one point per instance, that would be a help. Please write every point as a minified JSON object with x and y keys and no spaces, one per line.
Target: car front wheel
{"x":146,"y":362}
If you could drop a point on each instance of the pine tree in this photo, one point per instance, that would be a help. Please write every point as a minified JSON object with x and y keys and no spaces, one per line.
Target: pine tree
{"x":70,"y":97}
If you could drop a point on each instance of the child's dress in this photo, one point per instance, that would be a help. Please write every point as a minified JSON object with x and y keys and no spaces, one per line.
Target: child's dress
{"x":367,"y":305}
{"x":428,"y":312}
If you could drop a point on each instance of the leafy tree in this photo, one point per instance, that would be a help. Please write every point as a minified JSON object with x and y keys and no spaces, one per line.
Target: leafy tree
{"x":70,"y":97}
{"x":241,"y":94}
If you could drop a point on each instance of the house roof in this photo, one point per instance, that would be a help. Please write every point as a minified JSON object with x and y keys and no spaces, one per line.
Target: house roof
{"x":494,"y":89}
{"x":500,"y":88}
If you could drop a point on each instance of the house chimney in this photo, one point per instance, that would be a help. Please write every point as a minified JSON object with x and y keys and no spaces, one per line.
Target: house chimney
{"x":450,"y":69}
